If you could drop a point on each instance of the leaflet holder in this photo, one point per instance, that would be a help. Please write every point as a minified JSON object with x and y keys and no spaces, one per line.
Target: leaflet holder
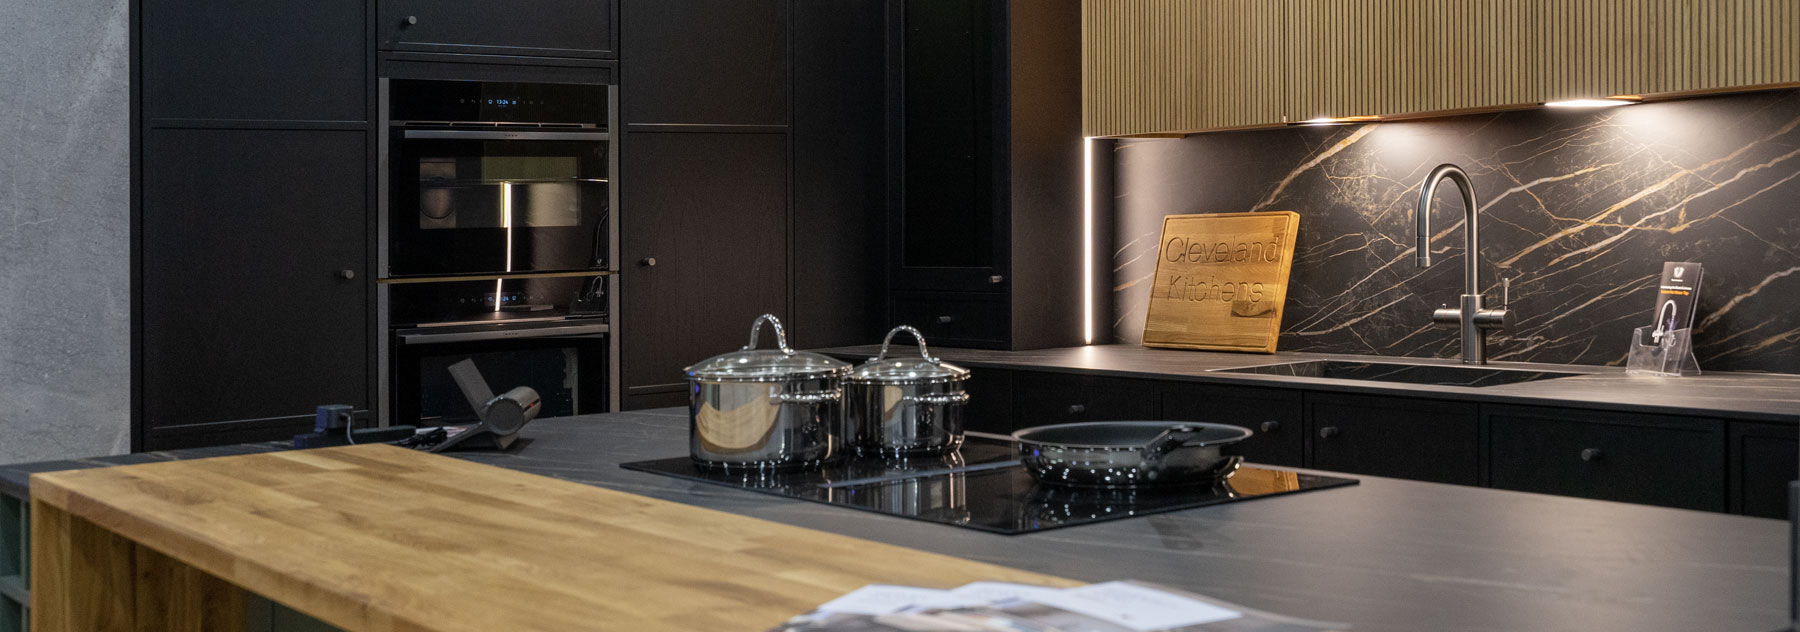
{"x":1665,"y":352}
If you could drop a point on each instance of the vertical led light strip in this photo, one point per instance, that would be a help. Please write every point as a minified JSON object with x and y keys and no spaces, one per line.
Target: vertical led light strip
{"x":1087,"y":241}
{"x":505,"y":222}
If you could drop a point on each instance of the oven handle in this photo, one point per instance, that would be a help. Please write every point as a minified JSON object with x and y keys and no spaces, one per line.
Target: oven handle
{"x":471,"y":336}
{"x":472,"y":134}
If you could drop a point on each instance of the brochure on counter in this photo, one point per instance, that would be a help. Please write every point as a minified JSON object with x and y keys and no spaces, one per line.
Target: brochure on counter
{"x":1124,"y":606}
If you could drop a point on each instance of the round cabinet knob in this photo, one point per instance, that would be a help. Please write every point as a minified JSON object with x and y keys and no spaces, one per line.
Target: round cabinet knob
{"x":1328,"y":432}
{"x":409,"y":21}
{"x":1271,"y":426}
{"x":1592,"y":454}
{"x":1077,"y":409}
{"x":648,"y":262}
{"x":346,"y":274}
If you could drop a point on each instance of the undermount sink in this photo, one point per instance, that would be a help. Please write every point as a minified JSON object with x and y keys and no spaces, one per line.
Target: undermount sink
{"x":1440,"y":374}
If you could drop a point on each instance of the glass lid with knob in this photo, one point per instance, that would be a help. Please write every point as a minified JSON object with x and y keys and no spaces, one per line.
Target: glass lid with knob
{"x":751,"y":364}
{"x":923,"y":369}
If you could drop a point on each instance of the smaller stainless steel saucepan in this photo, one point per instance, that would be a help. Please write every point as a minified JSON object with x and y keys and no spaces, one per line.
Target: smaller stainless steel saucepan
{"x":1130,"y":453}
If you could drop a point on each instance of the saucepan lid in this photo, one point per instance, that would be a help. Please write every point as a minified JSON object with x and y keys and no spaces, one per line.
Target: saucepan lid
{"x":781,"y":364}
{"x":923,"y":369}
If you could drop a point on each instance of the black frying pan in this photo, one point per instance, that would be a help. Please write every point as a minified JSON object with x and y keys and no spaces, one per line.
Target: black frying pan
{"x":1130,"y":453}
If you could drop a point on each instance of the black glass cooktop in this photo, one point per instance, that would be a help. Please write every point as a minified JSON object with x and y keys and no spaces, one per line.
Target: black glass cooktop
{"x":983,"y":487}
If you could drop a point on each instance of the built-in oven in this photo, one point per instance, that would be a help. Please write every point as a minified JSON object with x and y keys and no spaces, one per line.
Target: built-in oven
{"x":549,"y":333}
{"x":497,"y":177}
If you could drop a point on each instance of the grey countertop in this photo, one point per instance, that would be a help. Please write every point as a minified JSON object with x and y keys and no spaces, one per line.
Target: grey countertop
{"x":1766,"y":397}
{"x":1383,"y":555}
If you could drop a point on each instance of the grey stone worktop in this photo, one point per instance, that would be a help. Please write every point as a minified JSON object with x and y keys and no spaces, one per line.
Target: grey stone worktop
{"x":1386,"y":554}
{"x":1771,"y":397}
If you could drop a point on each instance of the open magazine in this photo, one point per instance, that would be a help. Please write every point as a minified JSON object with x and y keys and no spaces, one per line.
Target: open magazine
{"x":1124,"y":606}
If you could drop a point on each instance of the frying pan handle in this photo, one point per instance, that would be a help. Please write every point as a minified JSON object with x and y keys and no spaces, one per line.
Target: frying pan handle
{"x":1169,"y":440}
{"x":780,"y":335}
{"x":890,"y":339}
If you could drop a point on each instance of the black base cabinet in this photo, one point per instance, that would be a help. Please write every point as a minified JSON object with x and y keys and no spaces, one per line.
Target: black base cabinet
{"x":990,"y":407}
{"x":1397,"y":437}
{"x":1649,"y":459}
{"x":1764,"y":458}
{"x":1041,"y":399}
{"x":1276,"y":416}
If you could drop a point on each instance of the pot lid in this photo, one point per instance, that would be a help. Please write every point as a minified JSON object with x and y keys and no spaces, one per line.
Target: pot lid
{"x":907,"y":369}
{"x":751,"y":364}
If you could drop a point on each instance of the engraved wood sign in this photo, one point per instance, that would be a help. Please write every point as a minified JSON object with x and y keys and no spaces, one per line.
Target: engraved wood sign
{"x":1221,"y":281}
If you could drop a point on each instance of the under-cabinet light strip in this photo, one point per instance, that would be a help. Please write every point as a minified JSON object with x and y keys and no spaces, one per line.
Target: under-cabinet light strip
{"x":1087,"y":240}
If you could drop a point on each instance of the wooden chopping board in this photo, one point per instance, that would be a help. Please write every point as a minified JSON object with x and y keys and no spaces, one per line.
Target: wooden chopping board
{"x":1221,"y":281}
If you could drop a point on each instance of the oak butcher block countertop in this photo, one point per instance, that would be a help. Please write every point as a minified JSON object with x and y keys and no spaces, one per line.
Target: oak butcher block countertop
{"x":381,"y":538}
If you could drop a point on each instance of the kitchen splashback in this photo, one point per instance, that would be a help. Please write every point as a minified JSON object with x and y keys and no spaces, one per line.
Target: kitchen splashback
{"x":1579,"y":208}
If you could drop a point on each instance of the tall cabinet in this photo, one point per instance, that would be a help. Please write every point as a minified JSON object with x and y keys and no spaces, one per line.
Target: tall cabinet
{"x":251,"y":301}
{"x":985,"y":226}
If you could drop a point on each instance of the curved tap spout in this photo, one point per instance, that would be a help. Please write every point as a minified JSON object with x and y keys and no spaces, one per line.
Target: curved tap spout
{"x":1471,"y":232}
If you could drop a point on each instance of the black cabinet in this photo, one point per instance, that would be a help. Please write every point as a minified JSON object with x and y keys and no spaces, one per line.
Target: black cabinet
{"x":550,"y":28}
{"x":1041,"y":399}
{"x":211,"y":59}
{"x":706,"y":62}
{"x":1764,"y":458}
{"x":705,"y":252}
{"x":985,"y":161}
{"x":1650,"y":459}
{"x":253,"y":252}
{"x":1391,"y":436}
{"x":1274,"y":415}
{"x":990,"y":407}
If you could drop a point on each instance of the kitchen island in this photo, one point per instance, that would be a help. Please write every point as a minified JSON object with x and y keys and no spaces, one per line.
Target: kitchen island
{"x":1383,"y":555}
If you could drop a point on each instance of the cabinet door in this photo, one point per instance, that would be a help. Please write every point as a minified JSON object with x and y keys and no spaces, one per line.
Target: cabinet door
{"x":1274,"y":415}
{"x":705,"y":62}
{"x":1397,"y":437}
{"x":1651,"y":459}
{"x":990,"y":407}
{"x":550,"y":28}
{"x":255,"y":295}
{"x":1764,"y":459}
{"x":213,"y":59}
{"x":1041,"y":399}
{"x":705,"y":252}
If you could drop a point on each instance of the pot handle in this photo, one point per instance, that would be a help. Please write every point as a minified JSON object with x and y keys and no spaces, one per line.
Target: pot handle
{"x":809,"y":398}
{"x":959,"y":397}
{"x":780,"y":334}
{"x":890,"y":339}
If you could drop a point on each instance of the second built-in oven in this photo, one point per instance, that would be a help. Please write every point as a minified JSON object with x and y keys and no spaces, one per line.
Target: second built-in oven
{"x":497,"y":177}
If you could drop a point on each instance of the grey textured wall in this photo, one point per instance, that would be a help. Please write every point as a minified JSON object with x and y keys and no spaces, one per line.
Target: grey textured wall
{"x":1579,"y":208}
{"x":65,"y":290}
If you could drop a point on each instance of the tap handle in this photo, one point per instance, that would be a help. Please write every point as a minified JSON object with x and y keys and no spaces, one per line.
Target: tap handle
{"x":1506,"y":291}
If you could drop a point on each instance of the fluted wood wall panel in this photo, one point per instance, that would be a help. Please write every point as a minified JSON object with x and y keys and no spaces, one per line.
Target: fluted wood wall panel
{"x":1174,"y":66}
{"x":1161,"y":65}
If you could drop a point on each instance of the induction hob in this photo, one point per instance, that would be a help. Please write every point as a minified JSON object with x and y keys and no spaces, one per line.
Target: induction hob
{"x":984,"y":487}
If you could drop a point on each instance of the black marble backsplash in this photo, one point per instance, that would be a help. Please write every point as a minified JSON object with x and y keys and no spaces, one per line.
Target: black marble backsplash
{"x":1578,"y":208}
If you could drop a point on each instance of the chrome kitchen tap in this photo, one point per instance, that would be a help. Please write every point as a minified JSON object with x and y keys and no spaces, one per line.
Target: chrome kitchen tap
{"x":1471,"y":317}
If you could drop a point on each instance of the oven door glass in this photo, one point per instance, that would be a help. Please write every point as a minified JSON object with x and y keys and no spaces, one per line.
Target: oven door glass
{"x":477,"y":206}
{"x":568,"y":373}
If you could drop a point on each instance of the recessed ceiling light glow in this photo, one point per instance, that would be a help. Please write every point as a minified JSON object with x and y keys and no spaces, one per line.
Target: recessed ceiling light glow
{"x":1588,"y":103}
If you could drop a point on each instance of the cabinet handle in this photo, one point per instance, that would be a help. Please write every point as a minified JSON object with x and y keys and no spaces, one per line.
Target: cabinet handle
{"x":1271,"y":426}
{"x":409,"y":21}
{"x":648,"y":262}
{"x":1592,"y":454}
{"x":1328,"y":432}
{"x":945,"y":320}
{"x":1076,"y":409}
{"x":997,"y":279}
{"x":346,"y":274}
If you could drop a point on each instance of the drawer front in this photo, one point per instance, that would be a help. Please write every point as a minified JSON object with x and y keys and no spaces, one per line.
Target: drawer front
{"x":974,"y":320}
{"x":1764,"y":459}
{"x":990,"y":407}
{"x":550,"y":28}
{"x":1274,"y":415}
{"x":1041,"y":399}
{"x":1415,"y":439}
{"x":1638,"y":459}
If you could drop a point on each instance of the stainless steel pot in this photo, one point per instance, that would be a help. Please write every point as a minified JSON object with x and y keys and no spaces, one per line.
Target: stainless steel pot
{"x":1130,"y":453}
{"x":766,"y":409}
{"x":905,"y":406}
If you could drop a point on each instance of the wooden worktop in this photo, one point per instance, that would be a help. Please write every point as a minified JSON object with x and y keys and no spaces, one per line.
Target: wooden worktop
{"x":382,"y":538}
